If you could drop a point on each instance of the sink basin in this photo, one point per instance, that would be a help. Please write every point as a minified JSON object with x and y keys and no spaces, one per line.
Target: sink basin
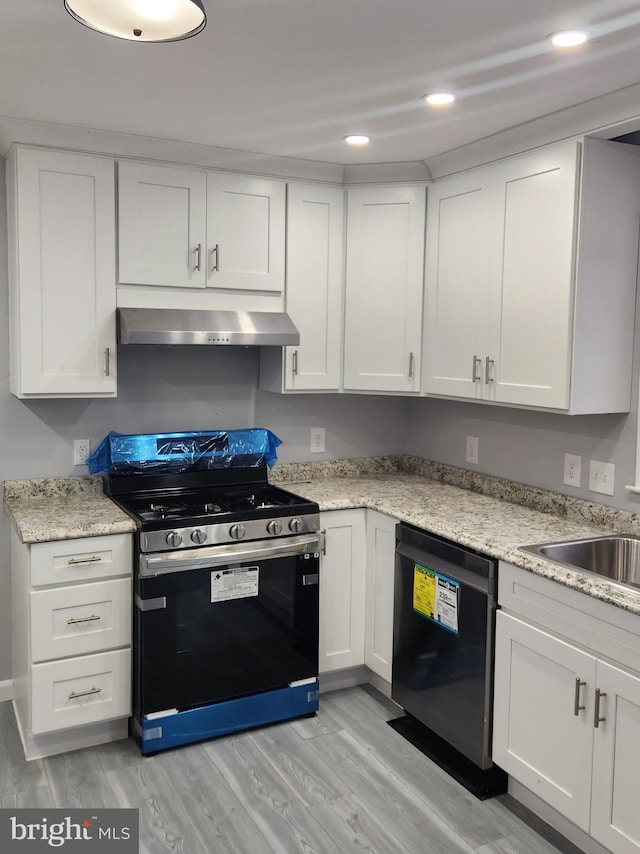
{"x":615,"y":557}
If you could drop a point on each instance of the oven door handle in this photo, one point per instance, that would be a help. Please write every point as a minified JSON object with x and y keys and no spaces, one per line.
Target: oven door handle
{"x":183,"y":560}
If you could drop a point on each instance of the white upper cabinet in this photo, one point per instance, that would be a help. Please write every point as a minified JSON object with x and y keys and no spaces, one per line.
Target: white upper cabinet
{"x":530,"y":279}
{"x":245,"y":232}
{"x":315,"y":251}
{"x":162,"y":225}
{"x":187,"y":228}
{"x":62,"y":277}
{"x":384,"y":282}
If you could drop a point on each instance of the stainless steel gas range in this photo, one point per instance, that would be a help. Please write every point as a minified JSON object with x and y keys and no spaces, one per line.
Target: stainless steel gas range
{"x":226,"y":579}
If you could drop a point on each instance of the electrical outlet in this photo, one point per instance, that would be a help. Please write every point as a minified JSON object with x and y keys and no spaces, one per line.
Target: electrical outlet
{"x":472,"y":449}
{"x":601,"y":477}
{"x":81,"y":450}
{"x":572,"y":469}
{"x":318,"y":435}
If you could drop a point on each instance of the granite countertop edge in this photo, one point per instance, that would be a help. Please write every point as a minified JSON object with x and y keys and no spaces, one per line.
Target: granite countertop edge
{"x":494,"y":525}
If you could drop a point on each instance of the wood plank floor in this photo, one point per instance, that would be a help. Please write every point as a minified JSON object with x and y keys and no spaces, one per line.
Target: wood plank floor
{"x":337,"y":783}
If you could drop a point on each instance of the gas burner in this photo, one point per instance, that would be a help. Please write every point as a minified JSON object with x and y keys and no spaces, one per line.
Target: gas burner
{"x":213,"y":507}
{"x":163,"y":511}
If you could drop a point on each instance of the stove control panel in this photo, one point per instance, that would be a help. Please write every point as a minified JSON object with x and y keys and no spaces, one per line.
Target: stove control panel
{"x":211,"y":535}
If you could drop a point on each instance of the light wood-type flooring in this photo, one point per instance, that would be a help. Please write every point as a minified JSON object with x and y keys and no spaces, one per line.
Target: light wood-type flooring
{"x":342,"y":782}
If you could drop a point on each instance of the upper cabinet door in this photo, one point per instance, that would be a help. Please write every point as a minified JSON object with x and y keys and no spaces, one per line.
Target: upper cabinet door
{"x":315,"y":237}
{"x":532,"y":302}
{"x":246,"y":232}
{"x":162,"y":225}
{"x":62,"y":273}
{"x":458,"y":273}
{"x":384,"y":283}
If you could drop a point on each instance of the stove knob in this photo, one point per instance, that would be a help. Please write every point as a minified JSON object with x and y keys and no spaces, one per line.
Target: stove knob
{"x":295,"y":525}
{"x":237,"y":531}
{"x":274,"y":527}
{"x":174,"y":539}
{"x":198,"y":536}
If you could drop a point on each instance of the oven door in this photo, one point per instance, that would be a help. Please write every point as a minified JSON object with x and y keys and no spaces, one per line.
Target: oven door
{"x":223,"y":622}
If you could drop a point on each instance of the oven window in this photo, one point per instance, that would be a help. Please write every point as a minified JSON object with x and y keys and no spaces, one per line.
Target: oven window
{"x":198,"y":651}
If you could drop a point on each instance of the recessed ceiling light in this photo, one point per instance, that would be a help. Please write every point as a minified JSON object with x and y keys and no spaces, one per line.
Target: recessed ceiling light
{"x":568,"y":38}
{"x":357,"y":139}
{"x":438,"y":99}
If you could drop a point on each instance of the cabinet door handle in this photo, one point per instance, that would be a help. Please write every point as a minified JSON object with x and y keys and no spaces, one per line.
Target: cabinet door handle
{"x":488,"y":365}
{"x":294,"y":363}
{"x":411,"y":365}
{"x":76,"y":560}
{"x":72,"y":621}
{"x":577,"y":708}
{"x":75,"y":694}
{"x":198,"y":266}
{"x":474,"y":371}
{"x":107,"y":367}
{"x":215,"y":253}
{"x":323,"y":542}
{"x":597,"y":720}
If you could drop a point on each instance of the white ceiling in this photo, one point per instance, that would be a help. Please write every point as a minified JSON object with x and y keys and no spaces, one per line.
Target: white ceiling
{"x":292,"y":77}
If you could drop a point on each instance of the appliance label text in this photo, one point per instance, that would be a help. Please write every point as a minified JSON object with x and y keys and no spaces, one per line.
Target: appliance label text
{"x":436,"y":597}
{"x":238,"y":582}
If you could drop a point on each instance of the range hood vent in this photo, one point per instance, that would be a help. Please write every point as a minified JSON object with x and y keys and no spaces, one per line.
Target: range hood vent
{"x":180,"y":326}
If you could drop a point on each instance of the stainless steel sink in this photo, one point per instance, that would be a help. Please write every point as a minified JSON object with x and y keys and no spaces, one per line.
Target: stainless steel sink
{"x":615,"y":557}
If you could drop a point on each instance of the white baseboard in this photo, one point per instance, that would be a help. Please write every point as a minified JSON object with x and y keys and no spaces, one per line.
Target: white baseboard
{"x":6,"y":690}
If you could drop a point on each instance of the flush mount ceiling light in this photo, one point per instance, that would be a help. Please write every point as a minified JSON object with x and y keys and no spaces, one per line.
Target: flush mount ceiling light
{"x":439,"y":99}
{"x":141,"y":20}
{"x":356,"y":139}
{"x":568,"y":38}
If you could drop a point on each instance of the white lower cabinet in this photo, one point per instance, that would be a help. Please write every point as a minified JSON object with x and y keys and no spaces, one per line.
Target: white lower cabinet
{"x":71,"y":642}
{"x":566,"y":721}
{"x":342,"y":590}
{"x":356,"y":591}
{"x":378,"y":630}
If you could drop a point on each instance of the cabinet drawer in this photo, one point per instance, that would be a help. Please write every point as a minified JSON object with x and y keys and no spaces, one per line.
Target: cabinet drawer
{"x":84,"y":618}
{"x":80,"y":691}
{"x":86,"y":559}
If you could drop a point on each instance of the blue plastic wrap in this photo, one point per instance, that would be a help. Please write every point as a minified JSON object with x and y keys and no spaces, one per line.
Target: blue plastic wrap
{"x":156,"y":453}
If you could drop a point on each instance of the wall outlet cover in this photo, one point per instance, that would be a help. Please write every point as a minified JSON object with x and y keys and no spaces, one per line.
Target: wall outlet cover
{"x":318,"y":438}
{"x":601,"y":477}
{"x":472,"y":449}
{"x":572,"y":469}
{"x":81,"y":451}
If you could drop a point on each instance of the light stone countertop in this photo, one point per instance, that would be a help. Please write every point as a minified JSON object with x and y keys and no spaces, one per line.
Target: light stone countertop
{"x":486,"y":524}
{"x":63,"y":508}
{"x":67,"y":508}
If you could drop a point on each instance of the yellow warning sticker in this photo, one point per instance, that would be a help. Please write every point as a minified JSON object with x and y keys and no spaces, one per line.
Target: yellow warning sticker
{"x":436,"y":597}
{"x":424,"y":591}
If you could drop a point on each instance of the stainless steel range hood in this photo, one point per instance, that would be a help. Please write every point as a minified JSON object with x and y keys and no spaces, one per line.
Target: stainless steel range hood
{"x":180,"y":326}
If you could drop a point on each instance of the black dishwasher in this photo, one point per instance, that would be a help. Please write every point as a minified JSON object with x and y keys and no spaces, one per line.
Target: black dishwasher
{"x":443,"y":652}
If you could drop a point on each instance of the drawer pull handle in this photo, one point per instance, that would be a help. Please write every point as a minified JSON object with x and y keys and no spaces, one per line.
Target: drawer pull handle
{"x":73,"y":620}
{"x":76,"y":560}
{"x":597,"y":720}
{"x":75,"y":694}
{"x":577,"y":708}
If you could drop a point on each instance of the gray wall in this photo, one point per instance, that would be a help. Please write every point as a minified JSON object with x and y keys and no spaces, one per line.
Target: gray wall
{"x":527,"y":447}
